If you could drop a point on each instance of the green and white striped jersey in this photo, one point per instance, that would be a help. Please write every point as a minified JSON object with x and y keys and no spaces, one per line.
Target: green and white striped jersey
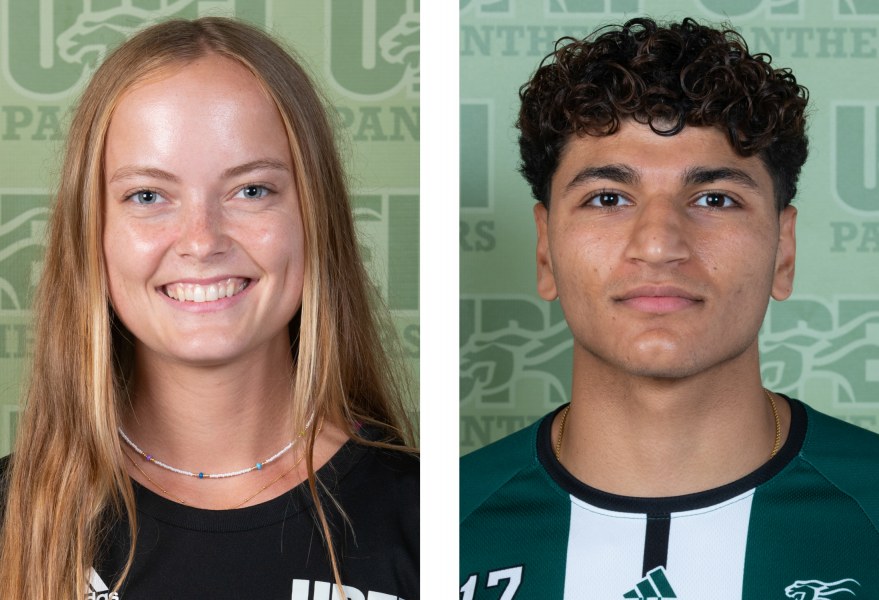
{"x":805,"y":526}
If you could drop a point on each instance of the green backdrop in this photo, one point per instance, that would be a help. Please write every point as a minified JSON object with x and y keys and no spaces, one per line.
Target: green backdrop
{"x":822,"y":345}
{"x":363,"y":53}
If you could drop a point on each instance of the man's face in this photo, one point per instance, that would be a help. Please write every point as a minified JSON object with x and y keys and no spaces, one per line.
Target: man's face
{"x":663,"y":250}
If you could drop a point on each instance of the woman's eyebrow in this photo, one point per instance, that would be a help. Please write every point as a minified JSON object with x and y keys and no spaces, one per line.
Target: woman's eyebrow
{"x":131,"y":171}
{"x":256,"y":165}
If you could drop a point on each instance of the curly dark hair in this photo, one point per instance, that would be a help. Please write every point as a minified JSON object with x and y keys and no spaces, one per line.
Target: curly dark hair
{"x":666,"y":77}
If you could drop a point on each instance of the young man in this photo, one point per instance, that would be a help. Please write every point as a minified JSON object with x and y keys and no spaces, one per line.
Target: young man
{"x":664,"y":159}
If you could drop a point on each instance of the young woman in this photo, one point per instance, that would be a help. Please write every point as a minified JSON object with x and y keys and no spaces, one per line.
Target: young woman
{"x":210,"y":411}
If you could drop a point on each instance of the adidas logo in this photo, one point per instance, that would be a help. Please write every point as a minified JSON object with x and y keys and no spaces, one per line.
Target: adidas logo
{"x":98,"y":590}
{"x":655,"y":586}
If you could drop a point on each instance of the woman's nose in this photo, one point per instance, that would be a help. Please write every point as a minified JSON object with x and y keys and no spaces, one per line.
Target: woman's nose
{"x":202,"y":232}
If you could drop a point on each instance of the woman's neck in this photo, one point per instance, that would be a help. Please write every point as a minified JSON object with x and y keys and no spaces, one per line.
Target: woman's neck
{"x":218,"y":419}
{"x":213,"y":416}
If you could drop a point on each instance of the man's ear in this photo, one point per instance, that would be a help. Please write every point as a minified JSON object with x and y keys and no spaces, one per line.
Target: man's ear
{"x":785,"y":257}
{"x":545,"y":277}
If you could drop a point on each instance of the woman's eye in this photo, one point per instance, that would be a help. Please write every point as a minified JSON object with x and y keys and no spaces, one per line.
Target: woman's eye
{"x":145,"y":197}
{"x":253,"y":191}
{"x":713,"y":200}
{"x":608,"y":200}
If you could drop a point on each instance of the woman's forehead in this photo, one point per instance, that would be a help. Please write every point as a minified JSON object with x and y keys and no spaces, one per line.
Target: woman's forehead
{"x":206,"y":108}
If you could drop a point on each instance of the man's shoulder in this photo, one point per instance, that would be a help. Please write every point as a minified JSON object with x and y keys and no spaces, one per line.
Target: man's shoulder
{"x":485,"y":471}
{"x":833,"y":440}
{"x":847,"y":456}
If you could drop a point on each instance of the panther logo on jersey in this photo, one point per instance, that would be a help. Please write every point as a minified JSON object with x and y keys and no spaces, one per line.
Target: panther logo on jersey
{"x":818,"y":590}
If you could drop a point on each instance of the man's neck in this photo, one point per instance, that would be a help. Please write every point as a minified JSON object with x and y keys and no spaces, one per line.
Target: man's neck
{"x":648,"y":437}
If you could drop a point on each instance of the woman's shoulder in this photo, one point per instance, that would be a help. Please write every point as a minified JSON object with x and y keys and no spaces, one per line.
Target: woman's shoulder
{"x":381,"y":499}
{"x":380,"y":481}
{"x":387,"y":467}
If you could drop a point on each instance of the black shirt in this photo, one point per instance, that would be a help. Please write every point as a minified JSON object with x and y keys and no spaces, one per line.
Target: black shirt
{"x":276,"y":549}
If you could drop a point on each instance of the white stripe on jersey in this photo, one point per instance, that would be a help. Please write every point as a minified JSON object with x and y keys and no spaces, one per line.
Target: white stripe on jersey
{"x":598,"y":539}
{"x":708,"y":545}
{"x":605,"y":552}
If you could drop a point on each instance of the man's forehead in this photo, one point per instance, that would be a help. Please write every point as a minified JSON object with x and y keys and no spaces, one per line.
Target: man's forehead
{"x":635,"y":151}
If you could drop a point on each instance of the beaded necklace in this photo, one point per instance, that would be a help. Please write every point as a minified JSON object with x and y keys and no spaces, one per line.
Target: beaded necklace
{"x":179,"y":500}
{"x":201,"y":474}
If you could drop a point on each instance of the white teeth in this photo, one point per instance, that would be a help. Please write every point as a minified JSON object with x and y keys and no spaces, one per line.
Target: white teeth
{"x":192,"y":292}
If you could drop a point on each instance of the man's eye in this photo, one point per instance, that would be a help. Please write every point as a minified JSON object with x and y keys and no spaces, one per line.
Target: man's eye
{"x":608,"y":200}
{"x":253,"y":191}
{"x":145,"y":197}
{"x":714,"y":200}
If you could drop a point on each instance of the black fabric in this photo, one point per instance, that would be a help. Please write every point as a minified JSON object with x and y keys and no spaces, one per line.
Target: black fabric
{"x":275,"y":550}
{"x":656,"y":542}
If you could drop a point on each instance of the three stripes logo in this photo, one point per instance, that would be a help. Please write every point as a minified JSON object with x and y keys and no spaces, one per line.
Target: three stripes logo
{"x":98,"y":590}
{"x":655,"y":586}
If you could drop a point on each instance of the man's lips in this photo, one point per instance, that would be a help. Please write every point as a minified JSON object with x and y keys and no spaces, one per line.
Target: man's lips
{"x":658,"y":299}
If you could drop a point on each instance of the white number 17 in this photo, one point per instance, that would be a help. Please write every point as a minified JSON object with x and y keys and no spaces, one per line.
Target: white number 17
{"x":512,"y":574}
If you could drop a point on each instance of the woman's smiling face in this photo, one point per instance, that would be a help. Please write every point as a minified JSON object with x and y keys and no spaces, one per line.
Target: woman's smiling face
{"x":203,"y":237}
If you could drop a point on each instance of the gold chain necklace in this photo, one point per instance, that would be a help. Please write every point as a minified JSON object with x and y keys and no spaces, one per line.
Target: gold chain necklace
{"x":775,"y":447}
{"x":777,"y":444}
{"x":558,"y":444}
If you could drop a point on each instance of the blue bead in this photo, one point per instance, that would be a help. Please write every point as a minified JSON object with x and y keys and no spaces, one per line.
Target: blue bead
{"x":258,"y":466}
{"x":201,"y":475}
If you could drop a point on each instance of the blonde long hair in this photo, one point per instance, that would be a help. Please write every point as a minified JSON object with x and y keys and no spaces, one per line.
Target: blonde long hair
{"x":66,"y":480}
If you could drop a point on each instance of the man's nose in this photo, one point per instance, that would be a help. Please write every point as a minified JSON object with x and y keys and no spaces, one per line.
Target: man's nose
{"x":658,"y":234}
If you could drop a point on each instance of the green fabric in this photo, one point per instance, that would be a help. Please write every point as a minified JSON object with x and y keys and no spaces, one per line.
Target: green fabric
{"x":813,"y":531}
{"x":817,"y":520}
{"x":525,"y":526}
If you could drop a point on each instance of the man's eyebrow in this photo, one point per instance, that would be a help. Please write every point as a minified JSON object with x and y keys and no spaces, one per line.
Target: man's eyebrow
{"x":703,"y":175}
{"x":618,"y":173}
{"x":131,"y":171}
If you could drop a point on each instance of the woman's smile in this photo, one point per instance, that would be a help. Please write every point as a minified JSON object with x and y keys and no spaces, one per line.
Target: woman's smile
{"x":206,"y":292}
{"x":203,"y":237}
